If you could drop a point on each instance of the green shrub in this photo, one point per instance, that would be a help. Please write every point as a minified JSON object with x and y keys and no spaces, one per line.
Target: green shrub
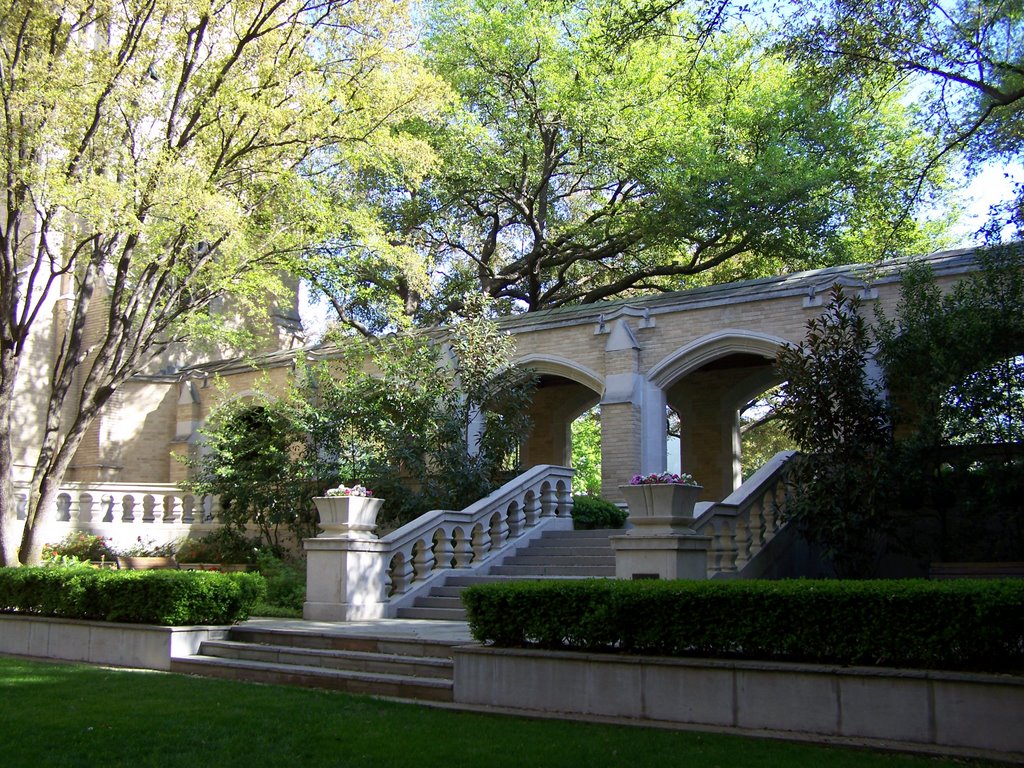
{"x":169,"y":598}
{"x":286,"y":584}
{"x":82,"y":546}
{"x":223,"y":545}
{"x":590,"y":512}
{"x":949,"y":625}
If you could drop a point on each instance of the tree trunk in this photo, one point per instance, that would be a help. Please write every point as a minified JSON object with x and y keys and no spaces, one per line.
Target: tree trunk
{"x":8,"y":501}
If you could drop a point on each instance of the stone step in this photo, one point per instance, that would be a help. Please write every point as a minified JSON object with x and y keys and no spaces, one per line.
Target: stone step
{"x":437,"y":600}
{"x":554,"y":570}
{"x":433,"y":614}
{"x":311,"y":638}
{"x":492,"y":578}
{"x":358,"y":661}
{"x":597,"y":534}
{"x":557,"y":548}
{"x":375,"y":684}
{"x":567,"y":559}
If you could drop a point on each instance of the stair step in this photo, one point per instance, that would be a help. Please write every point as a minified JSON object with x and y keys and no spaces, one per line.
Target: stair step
{"x":555,"y":548}
{"x":326,"y":641}
{"x":435,"y":614}
{"x":396,"y":686}
{"x":357,"y":661}
{"x":435,"y":600}
{"x":598,"y":534}
{"x":554,"y":570}
{"x":595,"y":560}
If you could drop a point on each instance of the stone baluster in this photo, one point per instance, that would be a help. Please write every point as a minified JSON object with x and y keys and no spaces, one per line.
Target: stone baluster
{"x":64,"y":508}
{"x":756,"y":527}
{"x":497,"y":530}
{"x":564,"y":497}
{"x":548,"y":501}
{"x":742,"y":541}
{"x":726,"y":546}
{"x":85,"y":505}
{"x":401,"y":572}
{"x":107,"y":504}
{"x":516,"y":520}
{"x":172,"y":509}
{"x":444,"y":555}
{"x":480,"y":542}
{"x":422,"y":560}
{"x":188,"y":509}
{"x":148,"y":508}
{"x":531,"y":509}
{"x":463,"y":549}
{"x":128,"y":508}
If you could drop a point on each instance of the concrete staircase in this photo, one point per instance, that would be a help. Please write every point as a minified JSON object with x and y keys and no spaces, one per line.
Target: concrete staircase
{"x":554,"y":555}
{"x":403,"y":667}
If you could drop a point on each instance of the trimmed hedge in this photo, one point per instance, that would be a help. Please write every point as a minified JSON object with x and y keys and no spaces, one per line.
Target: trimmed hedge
{"x":167,"y":598}
{"x":905,"y":623}
{"x":590,"y":512}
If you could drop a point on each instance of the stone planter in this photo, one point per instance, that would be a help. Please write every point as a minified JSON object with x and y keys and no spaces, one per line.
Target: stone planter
{"x":348,"y":516}
{"x":661,"y":507}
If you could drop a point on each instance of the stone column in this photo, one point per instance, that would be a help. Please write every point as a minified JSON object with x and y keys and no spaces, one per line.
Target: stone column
{"x":346,"y":579}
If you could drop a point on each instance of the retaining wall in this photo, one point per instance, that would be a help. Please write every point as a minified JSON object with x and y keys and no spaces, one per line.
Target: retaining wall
{"x":982,"y":714}
{"x":142,"y":646}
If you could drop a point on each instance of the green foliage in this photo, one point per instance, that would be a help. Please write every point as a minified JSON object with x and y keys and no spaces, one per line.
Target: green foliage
{"x":590,"y":512}
{"x":224,"y":545}
{"x":836,"y":414}
{"x":910,"y":623}
{"x":286,"y":584}
{"x":954,"y":369}
{"x":80,"y":545}
{"x":169,"y":598}
{"x":422,"y":425}
{"x":191,"y":155}
{"x":586,"y":453}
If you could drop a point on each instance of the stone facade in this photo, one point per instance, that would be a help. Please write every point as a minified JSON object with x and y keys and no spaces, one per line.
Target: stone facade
{"x":704,"y":352}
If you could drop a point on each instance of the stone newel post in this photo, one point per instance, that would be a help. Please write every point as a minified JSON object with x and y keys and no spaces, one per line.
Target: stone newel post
{"x":662,"y":543}
{"x":346,"y":573}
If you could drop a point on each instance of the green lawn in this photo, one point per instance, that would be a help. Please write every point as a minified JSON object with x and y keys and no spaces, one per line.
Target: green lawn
{"x":71,"y":715}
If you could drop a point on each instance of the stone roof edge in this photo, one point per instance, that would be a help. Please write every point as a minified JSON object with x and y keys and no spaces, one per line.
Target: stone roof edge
{"x":957,"y":261}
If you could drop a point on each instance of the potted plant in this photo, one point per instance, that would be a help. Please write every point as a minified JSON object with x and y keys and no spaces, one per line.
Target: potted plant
{"x":348,"y":510}
{"x":661,"y":500}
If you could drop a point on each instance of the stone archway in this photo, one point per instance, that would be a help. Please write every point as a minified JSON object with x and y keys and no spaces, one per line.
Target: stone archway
{"x":565,"y":391}
{"x":707,"y":382}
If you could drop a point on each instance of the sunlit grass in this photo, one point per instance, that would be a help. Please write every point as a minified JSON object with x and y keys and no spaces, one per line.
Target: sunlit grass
{"x":72,"y":715}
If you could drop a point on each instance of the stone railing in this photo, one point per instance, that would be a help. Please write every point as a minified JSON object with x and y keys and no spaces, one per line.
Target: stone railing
{"x":742,"y":524}
{"x":124,"y":512}
{"x":357,"y":577}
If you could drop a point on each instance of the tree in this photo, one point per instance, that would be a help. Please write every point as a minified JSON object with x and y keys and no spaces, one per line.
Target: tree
{"x":158,"y":155}
{"x":966,"y":58}
{"x":586,"y":453}
{"x":573,"y":171}
{"x":838,"y":416}
{"x":426,"y":423}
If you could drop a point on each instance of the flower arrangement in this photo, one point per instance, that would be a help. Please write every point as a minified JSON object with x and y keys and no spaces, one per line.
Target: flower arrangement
{"x":344,"y":490}
{"x":665,"y":478}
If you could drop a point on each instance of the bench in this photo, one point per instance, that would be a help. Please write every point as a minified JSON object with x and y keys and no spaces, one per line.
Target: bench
{"x":146,"y":563}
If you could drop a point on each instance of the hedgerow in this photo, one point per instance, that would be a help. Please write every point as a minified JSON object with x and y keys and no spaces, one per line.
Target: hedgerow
{"x":948,"y":625}
{"x":168,"y":598}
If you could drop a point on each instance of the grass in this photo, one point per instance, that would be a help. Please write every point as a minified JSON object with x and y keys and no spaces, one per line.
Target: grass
{"x":72,"y":715}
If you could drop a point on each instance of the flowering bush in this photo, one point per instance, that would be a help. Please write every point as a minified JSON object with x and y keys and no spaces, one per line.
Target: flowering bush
{"x":83,"y":546}
{"x":344,"y":490}
{"x":665,"y":478}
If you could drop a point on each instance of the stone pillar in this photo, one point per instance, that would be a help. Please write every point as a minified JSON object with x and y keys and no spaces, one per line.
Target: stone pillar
{"x":661,"y":544}
{"x":346,"y":579}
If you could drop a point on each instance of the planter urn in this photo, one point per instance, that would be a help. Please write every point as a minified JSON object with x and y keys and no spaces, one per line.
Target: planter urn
{"x":348,"y":516}
{"x":661,"y":507}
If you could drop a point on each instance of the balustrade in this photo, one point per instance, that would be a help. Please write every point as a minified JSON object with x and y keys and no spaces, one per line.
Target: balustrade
{"x":741,"y":525}
{"x":123,"y":512}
